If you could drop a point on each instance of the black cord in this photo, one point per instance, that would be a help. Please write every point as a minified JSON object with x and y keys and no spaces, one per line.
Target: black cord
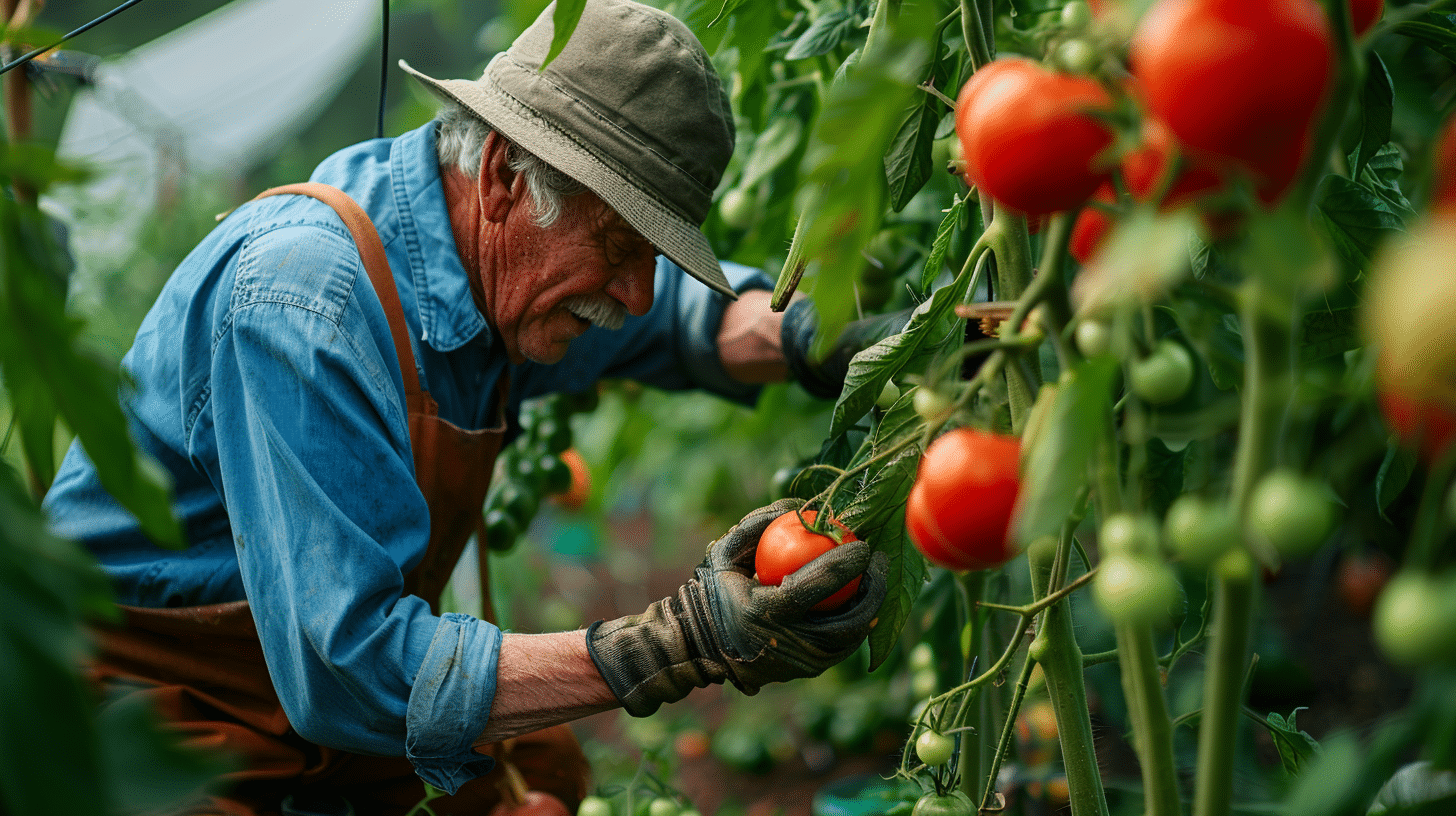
{"x":82,"y":30}
{"x":383,"y":71}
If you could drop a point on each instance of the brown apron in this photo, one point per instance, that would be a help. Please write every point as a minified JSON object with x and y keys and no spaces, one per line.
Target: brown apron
{"x":203,"y":666}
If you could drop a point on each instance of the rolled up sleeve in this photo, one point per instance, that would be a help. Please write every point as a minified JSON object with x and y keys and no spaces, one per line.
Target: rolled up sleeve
{"x":450,"y":701}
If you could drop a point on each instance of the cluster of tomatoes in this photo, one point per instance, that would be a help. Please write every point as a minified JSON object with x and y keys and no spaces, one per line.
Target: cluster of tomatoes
{"x":539,"y":462}
{"x":1189,"y":117}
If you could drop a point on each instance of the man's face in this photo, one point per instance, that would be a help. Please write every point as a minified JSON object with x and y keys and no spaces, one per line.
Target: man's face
{"x":550,"y":285}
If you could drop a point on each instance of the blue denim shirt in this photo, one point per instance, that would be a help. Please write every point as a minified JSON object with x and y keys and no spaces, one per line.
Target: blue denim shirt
{"x":266,"y":383}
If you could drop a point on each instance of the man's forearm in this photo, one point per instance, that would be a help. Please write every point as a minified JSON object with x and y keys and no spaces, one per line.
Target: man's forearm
{"x":749,"y":342}
{"x":543,"y":680}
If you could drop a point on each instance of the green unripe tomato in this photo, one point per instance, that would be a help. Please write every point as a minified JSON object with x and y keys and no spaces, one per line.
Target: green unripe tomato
{"x":737,"y":208}
{"x":1290,"y":512}
{"x":922,"y":657}
{"x":1199,"y":531}
{"x":1129,"y":534}
{"x":594,"y":806}
{"x":1093,"y":338}
{"x":955,"y":803}
{"x":924,"y":684}
{"x":931,"y":405}
{"x":1135,"y":590}
{"x":1163,"y":376}
{"x":1077,"y":56}
{"x":888,"y":395}
{"x":934,"y":748}
{"x":1235,"y":566}
{"x":1415,"y":620}
{"x":663,"y":806}
{"x":1076,"y":15}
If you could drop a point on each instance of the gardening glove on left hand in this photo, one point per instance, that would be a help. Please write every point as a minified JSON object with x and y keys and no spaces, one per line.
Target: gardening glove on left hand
{"x":823,"y":377}
{"x":723,"y":625}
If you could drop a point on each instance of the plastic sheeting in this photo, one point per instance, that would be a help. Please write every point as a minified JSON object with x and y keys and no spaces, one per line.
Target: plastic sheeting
{"x":216,"y":96}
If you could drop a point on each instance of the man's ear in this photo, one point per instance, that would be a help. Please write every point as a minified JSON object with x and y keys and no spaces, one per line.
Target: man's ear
{"x":496,"y":182}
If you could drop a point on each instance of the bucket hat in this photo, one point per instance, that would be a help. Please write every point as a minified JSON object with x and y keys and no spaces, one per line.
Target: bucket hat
{"x":632,"y":108}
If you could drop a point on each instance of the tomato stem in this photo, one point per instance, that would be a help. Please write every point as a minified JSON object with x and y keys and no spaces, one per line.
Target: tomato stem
{"x":1148,"y":710}
{"x":1061,"y":660}
{"x":1235,"y":594}
{"x":1018,"y":693}
{"x":972,"y":762}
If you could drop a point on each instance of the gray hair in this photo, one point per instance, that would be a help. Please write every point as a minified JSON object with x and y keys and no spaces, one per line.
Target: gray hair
{"x":459,"y":138}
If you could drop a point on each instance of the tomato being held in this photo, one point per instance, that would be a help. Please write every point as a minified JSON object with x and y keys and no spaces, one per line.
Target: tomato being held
{"x":786,"y":545}
{"x":959,"y":511}
{"x":1207,"y":69}
{"x":1031,"y":136}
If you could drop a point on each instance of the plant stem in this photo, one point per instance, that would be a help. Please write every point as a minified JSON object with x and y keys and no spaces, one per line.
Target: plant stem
{"x":976,"y":31}
{"x":1061,"y":659}
{"x":1017,"y":694}
{"x":972,"y":759}
{"x":1148,"y":710}
{"x":1236,"y":590}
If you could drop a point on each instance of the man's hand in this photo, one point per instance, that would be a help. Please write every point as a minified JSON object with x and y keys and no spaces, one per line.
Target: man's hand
{"x":724,"y":625}
{"x":823,"y":377}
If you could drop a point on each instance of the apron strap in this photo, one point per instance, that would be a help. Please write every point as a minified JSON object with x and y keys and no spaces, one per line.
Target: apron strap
{"x":375,"y":263}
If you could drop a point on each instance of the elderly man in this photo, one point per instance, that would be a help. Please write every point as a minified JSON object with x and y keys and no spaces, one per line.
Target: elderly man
{"x":326,"y":378}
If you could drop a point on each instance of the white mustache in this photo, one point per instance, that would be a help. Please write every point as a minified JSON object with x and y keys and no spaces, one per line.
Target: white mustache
{"x":599,"y":310}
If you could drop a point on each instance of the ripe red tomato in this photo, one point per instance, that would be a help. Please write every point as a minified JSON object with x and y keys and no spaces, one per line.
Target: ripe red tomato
{"x":1443,"y":170}
{"x":1030,"y":137}
{"x":1143,"y":169}
{"x":1207,"y":69}
{"x":959,"y":511}
{"x":787,"y":545}
{"x":1360,"y":578}
{"x":1093,"y":224}
{"x":1364,"y":14}
{"x":1425,"y":424}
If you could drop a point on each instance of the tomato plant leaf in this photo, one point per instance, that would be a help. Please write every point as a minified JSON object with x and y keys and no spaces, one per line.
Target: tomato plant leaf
{"x":1327,"y":332}
{"x":935,"y":261}
{"x":729,"y":6}
{"x":824,"y":35}
{"x":1295,"y":746}
{"x":47,"y":364}
{"x":563,"y":24}
{"x":877,"y":514}
{"x":1382,"y":174}
{"x":772,"y":148}
{"x":1058,"y":465}
{"x":1355,"y":218}
{"x":1377,"y":107}
{"x":1435,"y":30}
{"x":931,"y":326}
{"x":908,"y":164}
{"x":1395,"y":473}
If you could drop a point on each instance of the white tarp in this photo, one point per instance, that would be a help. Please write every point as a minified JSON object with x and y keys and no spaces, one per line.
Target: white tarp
{"x":216,"y":96}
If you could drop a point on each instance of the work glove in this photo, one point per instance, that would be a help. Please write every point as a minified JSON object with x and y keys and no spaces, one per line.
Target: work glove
{"x":723,"y":625}
{"x":823,"y":377}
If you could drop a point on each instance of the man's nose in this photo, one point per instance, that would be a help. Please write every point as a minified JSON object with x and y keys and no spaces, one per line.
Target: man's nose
{"x":632,"y":286}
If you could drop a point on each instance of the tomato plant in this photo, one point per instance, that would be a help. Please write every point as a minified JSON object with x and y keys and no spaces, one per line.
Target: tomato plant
{"x":1164,"y":375}
{"x":788,"y":544}
{"x":947,"y":528}
{"x":1031,"y":137}
{"x":1415,"y":619}
{"x":1291,"y":512}
{"x":948,"y":804}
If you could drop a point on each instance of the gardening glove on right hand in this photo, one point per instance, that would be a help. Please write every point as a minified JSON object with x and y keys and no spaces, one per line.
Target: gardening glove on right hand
{"x":724,"y":625}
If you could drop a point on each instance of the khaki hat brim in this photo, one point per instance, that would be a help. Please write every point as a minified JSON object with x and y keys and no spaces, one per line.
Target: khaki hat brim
{"x":674,"y":235}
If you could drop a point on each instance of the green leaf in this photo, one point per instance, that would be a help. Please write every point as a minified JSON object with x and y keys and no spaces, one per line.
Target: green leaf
{"x":908,"y":163}
{"x":1356,"y":219}
{"x":823,"y":35}
{"x":1395,"y":473}
{"x":47,"y":362}
{"x":1377,"y":106}
{"x":729,"y":6}
{"x":931,"y":326}
{"x":1058,"y":466}
{"x":1383,"y":175}
{"x":772,"y":148}
{"x":1330,"y":781}
{"x":1295,"y":746}
{"x":877,"y":515}
{"x":563,"y":25}
{"x":935,"y":261}
{"x":1328,"y":332}
{"x":146,"y":769}
{"x":1434,"y":30}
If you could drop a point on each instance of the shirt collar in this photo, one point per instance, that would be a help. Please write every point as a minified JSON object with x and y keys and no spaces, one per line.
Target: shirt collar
{"x":448,"y":315}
